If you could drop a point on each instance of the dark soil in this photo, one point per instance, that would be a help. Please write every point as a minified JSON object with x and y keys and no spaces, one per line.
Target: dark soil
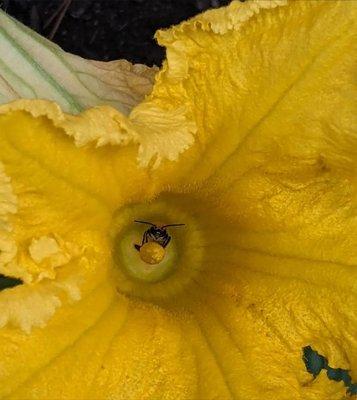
{"x":107,"y":29}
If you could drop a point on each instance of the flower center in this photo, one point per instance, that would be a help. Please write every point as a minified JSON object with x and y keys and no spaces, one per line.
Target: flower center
{"x":153,"y":256}
{"x":149,"y":262}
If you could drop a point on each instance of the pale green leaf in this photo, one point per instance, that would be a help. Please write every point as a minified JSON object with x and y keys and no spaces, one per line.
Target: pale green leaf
{"x":33,"y":67}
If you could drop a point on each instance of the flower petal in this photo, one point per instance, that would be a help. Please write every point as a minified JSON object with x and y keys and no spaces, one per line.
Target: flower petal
{"x":33,"y":67}
{"x":264,"y":91}
{"x":237,"y":326}
{"x":252,"y":66}
{"x":273,"y":101}
{"x":64,"y":144}
{"x":24,"y":355}
{"x":54,"y":222}
{"x":56,"y":206}
{"x":289,"y":185}
{"x":258,"y":324}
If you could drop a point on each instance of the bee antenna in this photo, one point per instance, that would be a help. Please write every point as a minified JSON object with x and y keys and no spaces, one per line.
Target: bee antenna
{"x":165,"y":226}
{"x":144,"y":222}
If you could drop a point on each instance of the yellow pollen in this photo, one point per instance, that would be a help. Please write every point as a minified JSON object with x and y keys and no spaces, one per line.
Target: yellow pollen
{"x":152,"y":253}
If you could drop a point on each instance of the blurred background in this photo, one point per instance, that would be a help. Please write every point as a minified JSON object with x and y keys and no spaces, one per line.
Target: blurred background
{"x":107,"y":29}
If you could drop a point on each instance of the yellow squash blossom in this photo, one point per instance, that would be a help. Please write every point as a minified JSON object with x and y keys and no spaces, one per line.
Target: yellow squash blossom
{"x":248,"y":138}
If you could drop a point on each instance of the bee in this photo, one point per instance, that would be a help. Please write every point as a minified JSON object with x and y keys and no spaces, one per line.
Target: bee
{"x":154,"y":241}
